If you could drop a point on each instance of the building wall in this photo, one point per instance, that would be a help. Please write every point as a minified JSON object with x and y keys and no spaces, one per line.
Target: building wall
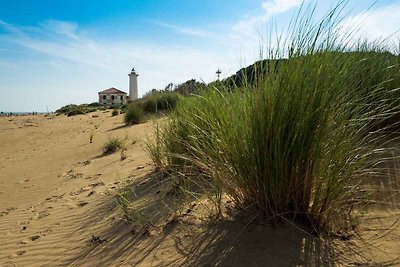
{"x":112,"y":99}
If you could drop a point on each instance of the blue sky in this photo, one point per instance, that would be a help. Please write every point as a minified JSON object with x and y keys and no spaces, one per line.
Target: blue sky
{"x":54,"y":53}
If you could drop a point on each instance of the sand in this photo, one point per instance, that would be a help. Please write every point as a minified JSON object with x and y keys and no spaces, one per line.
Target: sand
{"x":56,"y":189}
{"x":58,"y":206}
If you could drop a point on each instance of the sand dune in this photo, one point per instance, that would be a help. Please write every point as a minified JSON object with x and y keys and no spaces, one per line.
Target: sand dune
{"x":55,"y":187}
{"x":58,"y":207}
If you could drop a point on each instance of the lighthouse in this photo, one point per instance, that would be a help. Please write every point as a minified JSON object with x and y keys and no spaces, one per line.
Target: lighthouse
{"x":133,"y":85}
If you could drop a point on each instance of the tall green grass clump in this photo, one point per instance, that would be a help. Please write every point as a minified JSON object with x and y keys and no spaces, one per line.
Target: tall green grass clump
{"x":112,"y":145}
{"x":134,"y":115}
{"x":300,"y":141}
{"x":159,"y":102}
{"x":76,"y":111}
{"x":114,"y":113}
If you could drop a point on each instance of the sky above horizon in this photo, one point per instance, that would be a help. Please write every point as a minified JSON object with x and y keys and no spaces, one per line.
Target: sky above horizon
{"x":54,"y":53}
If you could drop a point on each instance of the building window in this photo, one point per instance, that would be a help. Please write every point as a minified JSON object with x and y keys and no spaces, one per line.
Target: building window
{"x":112,"y":97}
{"x":104,"y":97}
{"x":122,"y":97}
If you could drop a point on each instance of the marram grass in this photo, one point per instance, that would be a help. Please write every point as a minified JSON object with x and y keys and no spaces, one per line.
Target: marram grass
{"x":299,"y":142}
{"x":112,"y":145}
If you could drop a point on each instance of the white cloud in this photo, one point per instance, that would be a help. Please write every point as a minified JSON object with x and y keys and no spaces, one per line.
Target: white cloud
{"x":248,"y":26}
{"x":70,"y":64}
{"x":376,"y":24}
{"x":64,"y":63}
{"x":273,"y":7}
{"x":10,"y":28}
{"x":186,"y":30}
{"x":63,"y":28}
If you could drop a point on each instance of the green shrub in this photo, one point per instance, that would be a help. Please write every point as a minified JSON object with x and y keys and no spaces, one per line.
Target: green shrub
{"x":159,"y":102}
{"x":66,"y":109}
{"x":89,"y":110}
{"x":76,"y":111}
{"x":134,"y":115}
{"x":95,"y":104}
{"x":112,"y":145}
{"x":72,"y":110}
{"x":115,"y":112}
{"x":299,"y":141}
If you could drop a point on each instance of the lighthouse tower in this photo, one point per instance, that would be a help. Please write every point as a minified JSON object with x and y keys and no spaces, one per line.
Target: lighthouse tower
{"x":133,"y":85}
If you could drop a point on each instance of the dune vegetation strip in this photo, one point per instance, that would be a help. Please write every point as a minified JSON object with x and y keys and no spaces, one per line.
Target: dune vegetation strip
{"x":305,"y":140}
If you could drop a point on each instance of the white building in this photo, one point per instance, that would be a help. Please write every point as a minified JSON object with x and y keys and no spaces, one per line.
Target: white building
{"x":112,"y":96}
{"x":133,"y":85}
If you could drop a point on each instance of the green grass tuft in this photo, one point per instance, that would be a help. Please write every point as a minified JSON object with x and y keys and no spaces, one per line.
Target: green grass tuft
{"x":299,"y":140}
{"x":115,"y":112}
{"x":159,"y":102}
{"x":112,"y":145}
{"x":134,"y":115}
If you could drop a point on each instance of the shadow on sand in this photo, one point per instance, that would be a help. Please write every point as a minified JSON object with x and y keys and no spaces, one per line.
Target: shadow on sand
{"x":123,"y":126}
{"x":234,"y":244}
{"x":194,"y":241}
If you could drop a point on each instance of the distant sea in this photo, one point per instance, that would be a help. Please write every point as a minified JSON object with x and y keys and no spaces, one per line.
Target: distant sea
{"x":3,"y":113}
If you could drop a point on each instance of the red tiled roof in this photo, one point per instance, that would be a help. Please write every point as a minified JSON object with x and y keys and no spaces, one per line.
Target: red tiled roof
{"x":112,"y":90}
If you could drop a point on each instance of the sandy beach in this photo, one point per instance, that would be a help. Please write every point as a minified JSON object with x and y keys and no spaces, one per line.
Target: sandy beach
{"x":58,"y":207}
{"x":57,"y":188}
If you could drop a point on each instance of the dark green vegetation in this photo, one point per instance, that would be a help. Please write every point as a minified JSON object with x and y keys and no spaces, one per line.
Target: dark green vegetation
{"x":190,"y":87}
{"x":115,"y":112}
{"x":293,"y":139}
{"x":158,"y":102}
{"x":71,"y":110}
{"x":112,"y":145}
{"x":134,"y":115}
{"x":155,"y":102}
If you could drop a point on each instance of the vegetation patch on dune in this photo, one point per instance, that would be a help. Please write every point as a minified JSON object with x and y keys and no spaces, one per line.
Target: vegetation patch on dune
{"x":134,"y":115}
{"x":72,"y":110}
{"x":112,"y":145}
{"x":157,"y":102}
{"x":115,"y":112}
{"x":298,"y":141}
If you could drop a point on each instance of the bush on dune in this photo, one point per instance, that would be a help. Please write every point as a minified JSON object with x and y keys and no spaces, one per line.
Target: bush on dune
{"x":66,"y":109}
{"x":133,"y":115}
{"x":159,"y":102}
{"x":112,"y":145}
{"x":72,"y":110}
{"x":115,"y":112}
{"x":76,"y":111}
{"x":298,"y":145}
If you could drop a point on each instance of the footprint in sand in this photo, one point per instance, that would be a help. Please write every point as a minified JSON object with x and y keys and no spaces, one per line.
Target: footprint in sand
{"x":20,"y":253}
{"x":55,"y":198}
{"x":7,"y":211}
{"x":16,"y":254}
{"x":92,"y":177}
{"x":97,"y":184}
{"x":80,"y":191}
{"x":82,"y":203}
{"x":71,"y":174}
{"x":35,"y":237}
{"x":43,"y":214}
{"x":29,"y":240}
